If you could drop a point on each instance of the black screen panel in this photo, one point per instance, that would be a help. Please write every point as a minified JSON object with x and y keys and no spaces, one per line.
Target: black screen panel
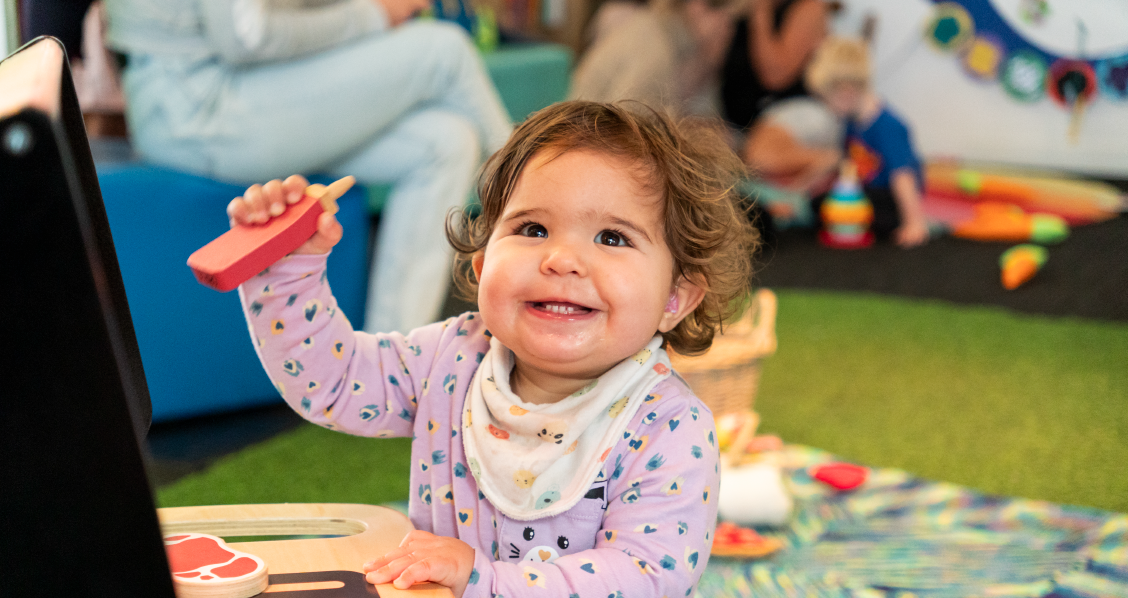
{"x":76,"y":510}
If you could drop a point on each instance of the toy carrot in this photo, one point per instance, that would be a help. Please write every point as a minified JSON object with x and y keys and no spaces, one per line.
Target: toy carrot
{"x":1020,"y":263}
{"x":1005,"y":222}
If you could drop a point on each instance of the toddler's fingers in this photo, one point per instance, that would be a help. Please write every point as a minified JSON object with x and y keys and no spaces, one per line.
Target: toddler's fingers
{"x":376,"y":563}
{"x":390,"y":570}
{"x":274,"y":198}
{"x":418,"y":572}
{"x":403,"y":553}
{"x":237,"y":212}
{"x":416,"y":536}
{"x":294,"y":187}
{"x":329,"y":233}
{"x":256,"y":204}
{"x":329,"y":227}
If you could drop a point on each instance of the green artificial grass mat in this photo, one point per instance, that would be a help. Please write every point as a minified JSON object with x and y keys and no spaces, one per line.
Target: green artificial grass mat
{"x":1005,"y":403}
{"x":307,"y":464}
{"x":1008,"y":404}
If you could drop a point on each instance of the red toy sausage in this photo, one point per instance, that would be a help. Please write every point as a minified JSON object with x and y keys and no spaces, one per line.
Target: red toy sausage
{"x":841,"y":476}
{"x":248,"y":249}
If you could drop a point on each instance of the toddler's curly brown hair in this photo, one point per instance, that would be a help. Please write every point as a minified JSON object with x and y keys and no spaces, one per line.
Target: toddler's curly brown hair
{"x":690,"y":166}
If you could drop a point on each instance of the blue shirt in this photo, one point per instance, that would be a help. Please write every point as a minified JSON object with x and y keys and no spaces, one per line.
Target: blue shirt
{"x":880,"y":149}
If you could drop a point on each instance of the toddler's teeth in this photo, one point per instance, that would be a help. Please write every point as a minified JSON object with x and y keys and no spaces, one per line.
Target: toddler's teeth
{"x":564,"y":310}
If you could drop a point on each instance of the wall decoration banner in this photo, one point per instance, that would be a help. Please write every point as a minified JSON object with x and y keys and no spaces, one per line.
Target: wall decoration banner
{"x":1027,"y":51}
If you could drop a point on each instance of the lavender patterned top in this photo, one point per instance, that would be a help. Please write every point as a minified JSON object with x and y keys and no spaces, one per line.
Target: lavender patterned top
{"x":645,"y":527}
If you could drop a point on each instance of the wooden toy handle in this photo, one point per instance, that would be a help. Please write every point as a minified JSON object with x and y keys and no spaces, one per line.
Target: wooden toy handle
{"x":327,"y":196}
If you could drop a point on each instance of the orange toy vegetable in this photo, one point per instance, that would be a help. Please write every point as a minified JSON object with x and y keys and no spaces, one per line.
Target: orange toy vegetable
{"x":1077,"y":201}
{"x":1020,"y":263}
{"x":1006,"y":222}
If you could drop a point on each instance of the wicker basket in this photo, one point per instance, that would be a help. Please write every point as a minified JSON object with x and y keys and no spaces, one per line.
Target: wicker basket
{"x":727,"y":375}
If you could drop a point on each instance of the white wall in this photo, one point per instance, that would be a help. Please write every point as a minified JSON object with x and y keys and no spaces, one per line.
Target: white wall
{"x":952,"y":115}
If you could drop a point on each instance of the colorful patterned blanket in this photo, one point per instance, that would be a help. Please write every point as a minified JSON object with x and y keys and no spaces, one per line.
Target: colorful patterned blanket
{"x":901,"y":536}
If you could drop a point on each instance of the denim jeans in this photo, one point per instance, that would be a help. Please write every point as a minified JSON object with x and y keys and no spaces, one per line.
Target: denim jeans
{"x":413,"y":107}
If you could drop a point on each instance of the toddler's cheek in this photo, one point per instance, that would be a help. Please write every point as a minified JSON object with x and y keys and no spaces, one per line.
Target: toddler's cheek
{"x":497,"y":299}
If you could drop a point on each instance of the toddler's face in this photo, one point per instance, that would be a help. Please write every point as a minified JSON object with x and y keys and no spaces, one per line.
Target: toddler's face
{"x":576,"y":274}
{"x":845,"y":98}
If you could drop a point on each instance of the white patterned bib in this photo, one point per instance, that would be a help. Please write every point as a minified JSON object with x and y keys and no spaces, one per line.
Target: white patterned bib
{"x":535,"y":461}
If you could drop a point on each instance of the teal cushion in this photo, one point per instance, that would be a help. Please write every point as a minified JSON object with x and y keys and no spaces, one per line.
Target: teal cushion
{"x":530,"y":76}
{"x":378,"y":196}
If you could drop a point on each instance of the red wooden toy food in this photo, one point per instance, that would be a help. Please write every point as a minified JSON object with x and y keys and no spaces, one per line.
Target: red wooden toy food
{"x":246,"y":250}
{"x":841,"y":476}
{"x":731,"y":540}
{"x":205,"y":566}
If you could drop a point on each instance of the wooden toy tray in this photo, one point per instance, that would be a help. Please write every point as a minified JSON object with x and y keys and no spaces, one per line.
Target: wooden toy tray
{"x":325,"y":567}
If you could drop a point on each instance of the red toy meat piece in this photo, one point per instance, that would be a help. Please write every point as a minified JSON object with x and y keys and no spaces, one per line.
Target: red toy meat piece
{"x":204,"y":565}
{"x":841,"y":476}
{"x":190,"y":554}
{"x":236,"y":568}
{"x":246,"y":250}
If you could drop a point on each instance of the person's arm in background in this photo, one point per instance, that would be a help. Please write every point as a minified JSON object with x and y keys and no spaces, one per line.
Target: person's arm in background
{"x":914,"y":228}
{"x":251,"y":31}
{"x":780,"y":58}
{"x":712,"y":30}
{"x":774,"y":154}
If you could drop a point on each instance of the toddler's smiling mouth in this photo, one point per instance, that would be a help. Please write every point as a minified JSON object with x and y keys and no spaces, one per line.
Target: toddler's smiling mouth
{"x":560,"y":308}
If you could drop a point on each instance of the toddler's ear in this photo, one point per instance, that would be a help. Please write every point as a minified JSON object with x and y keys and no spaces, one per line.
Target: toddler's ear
{"x":476,"y":263}
{"x":684,"y":298}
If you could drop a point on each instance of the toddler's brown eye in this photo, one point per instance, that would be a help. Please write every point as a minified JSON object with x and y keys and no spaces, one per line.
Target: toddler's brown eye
{"x":611,"y":238}
{"x":533,"y":230}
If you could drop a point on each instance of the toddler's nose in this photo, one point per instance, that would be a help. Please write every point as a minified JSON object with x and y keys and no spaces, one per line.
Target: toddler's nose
{"x":563,"y":258}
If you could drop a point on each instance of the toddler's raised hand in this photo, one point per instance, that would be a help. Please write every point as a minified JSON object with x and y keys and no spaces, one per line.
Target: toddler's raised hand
{"x":423,"y":557}
{"x":260,"y":203}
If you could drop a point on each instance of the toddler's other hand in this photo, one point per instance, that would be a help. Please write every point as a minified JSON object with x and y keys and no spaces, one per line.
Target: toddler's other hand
{"x":423,"y":557}
{"x":260,"y":203}
{"x":912,"y":233}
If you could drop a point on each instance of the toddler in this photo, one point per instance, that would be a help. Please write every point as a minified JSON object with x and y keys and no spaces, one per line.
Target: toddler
{"x":554,"y":451}
{"x":877,"y":141}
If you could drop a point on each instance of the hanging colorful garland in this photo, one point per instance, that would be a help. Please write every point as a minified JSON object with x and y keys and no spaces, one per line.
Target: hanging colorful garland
{"x":990,"y":49}
{"x":1112,"y":77}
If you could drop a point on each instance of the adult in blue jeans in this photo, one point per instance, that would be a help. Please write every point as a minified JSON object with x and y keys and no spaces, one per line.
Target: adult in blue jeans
{"x":260,"y":89}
